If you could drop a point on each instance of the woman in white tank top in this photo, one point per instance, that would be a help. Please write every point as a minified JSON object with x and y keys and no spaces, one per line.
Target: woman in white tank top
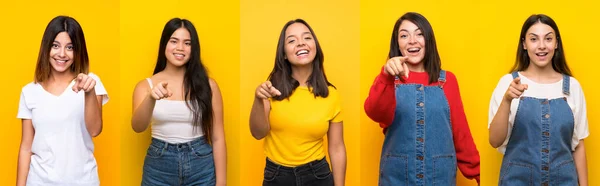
{"x":185,"y":109}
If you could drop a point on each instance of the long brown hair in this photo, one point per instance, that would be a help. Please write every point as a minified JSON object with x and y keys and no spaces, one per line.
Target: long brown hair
{"x":80,"y":56}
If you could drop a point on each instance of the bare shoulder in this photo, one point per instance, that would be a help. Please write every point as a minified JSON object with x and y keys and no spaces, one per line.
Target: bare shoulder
{"x":213,"y":84}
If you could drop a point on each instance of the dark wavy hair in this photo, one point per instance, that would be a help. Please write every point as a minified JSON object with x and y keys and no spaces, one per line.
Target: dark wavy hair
{"x":431,"y":59}
{"x":281,"y":75}
{"x":559,"y":62}
{"x":198,"y":93}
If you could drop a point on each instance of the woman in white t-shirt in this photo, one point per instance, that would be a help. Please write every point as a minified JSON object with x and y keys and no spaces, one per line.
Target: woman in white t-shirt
{"x":537,"y":115}
{"x":185,"y":108}
{"x":61,"y":110}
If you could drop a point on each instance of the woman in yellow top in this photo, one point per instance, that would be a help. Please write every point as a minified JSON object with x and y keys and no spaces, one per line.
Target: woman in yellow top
{"x":294,"y":110}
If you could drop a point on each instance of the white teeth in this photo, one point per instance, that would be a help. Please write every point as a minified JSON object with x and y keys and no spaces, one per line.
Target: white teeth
{"x":178,"y":55}
{"x":541,"y":54}
{"x":414,"y":49}
{"x":300,"y":52}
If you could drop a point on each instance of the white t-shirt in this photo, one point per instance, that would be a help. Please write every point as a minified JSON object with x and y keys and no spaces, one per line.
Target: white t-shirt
{"x":62,"y":149}
{"x":172,"y":121}
{"x":575,"y":99}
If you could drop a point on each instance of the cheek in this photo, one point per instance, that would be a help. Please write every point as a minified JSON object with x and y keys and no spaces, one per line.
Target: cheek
{"x":70,"y":54}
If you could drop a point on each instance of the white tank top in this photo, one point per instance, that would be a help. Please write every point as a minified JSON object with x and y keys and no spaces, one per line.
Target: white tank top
{"x":172,"y":121}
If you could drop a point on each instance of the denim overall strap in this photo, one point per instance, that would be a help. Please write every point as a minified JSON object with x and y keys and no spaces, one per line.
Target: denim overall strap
{"x":515,"y":74}
{"x":442,"y":78}
{"x":566,"y":84}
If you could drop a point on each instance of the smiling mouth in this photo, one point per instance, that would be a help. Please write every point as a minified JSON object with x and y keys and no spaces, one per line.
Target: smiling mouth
{"x":413,"y":50}
{"x":302,"y":52}
{"x":179,"y":56}
{"x":61,"y":61}
{"x":541,"y":54}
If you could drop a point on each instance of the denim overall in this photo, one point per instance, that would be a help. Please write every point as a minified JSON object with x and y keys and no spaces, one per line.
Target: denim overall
{"x":539,"y":148}
{"x":418,"y":147}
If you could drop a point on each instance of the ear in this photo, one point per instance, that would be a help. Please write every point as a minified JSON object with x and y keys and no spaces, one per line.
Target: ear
{"x":524,"y":46}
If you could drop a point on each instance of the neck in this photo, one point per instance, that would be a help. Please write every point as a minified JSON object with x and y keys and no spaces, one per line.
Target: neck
{"x":301,"y":73}
{"x":174,"y":71}
{"x":64,"y":77}
{"x":540,"y":71}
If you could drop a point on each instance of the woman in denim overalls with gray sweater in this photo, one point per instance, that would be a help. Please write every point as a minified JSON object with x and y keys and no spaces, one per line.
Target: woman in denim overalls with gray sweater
{"x":537,"y":113}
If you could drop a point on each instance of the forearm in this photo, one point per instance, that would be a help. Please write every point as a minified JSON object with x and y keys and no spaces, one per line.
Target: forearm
{"x":93,"y":114}
{"x":380,"y":105}
{"x":23,"y":166}
{"x":581,"y":163}
{"x":337,"y":155}
{"x":259,"y":125}
{"x":142,"y":114}
{"x":220,"y":158}
{"x":499,"y":126}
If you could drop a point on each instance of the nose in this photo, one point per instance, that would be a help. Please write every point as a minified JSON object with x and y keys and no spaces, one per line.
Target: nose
{"x":542,"y":45}
{"x":62,"y":53}
{"x":412,"y":40}
{"x":301,"y":42}
{"x":179,"y":46}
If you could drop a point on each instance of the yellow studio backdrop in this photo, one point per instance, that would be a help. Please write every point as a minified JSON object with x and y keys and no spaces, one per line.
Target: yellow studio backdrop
{"x":23,"y":26}
{"x":336,"y":25}
{"x":217,"y":24}
{"x":500,"y":26}
{"x":457,"y":40}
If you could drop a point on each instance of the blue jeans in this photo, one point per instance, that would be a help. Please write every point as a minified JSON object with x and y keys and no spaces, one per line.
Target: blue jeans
{"x":168,"y":164}
{"x":315,"y":173}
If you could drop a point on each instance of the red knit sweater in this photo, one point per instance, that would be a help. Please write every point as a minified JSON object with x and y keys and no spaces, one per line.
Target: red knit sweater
{"x":380,"y":106}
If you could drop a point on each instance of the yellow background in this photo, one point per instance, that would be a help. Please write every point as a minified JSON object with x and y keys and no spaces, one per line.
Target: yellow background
{"x":335,"y":24}
{"x":23,"y":24}
{"x":477,"y":42}
{"x":217,"y":24}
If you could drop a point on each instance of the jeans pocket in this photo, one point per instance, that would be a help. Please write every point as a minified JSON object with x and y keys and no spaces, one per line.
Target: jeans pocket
{"x":322,"y":171}
{"x":203,"y":151}
{"x":513,"y":173}
{"x":566,"y":173}
{"x":444,"y":170}
{"x":270,"y":174}
{"x":154,"y":152}
{"x":393,"y":170}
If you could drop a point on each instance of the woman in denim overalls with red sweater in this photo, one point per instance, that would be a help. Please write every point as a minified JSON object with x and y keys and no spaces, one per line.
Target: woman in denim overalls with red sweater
{"x":537,"y":113}
{"x":420,"y":109}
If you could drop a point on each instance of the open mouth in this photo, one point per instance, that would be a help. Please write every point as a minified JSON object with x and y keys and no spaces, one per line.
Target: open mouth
{"x":302,"y":52}
{"x":413,"y":50}
{"x":179,"y":56}
{"x":61,"y":61}
{"x":541,"y":54}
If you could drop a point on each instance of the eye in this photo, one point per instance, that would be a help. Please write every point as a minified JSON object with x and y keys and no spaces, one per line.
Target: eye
{"x":70,"y":47}
{"x":308,"y":38}
{"x":549,"y":39}
{"x":533,"y":39}
{"x":54,"y":46}
{"x":291,"y":41}
{"x":188,"y":43}
{"x":403,"y":36}
{"x":420,"y":34}
{"x":172,"y":41}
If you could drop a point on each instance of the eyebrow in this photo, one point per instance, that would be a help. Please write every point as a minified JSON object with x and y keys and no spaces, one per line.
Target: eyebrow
{"x":407,"y":30}
{"x":60,"y":43}
{"x":294,"y":35}
{"x":178,"y":39}
{"x":545,"y":35}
